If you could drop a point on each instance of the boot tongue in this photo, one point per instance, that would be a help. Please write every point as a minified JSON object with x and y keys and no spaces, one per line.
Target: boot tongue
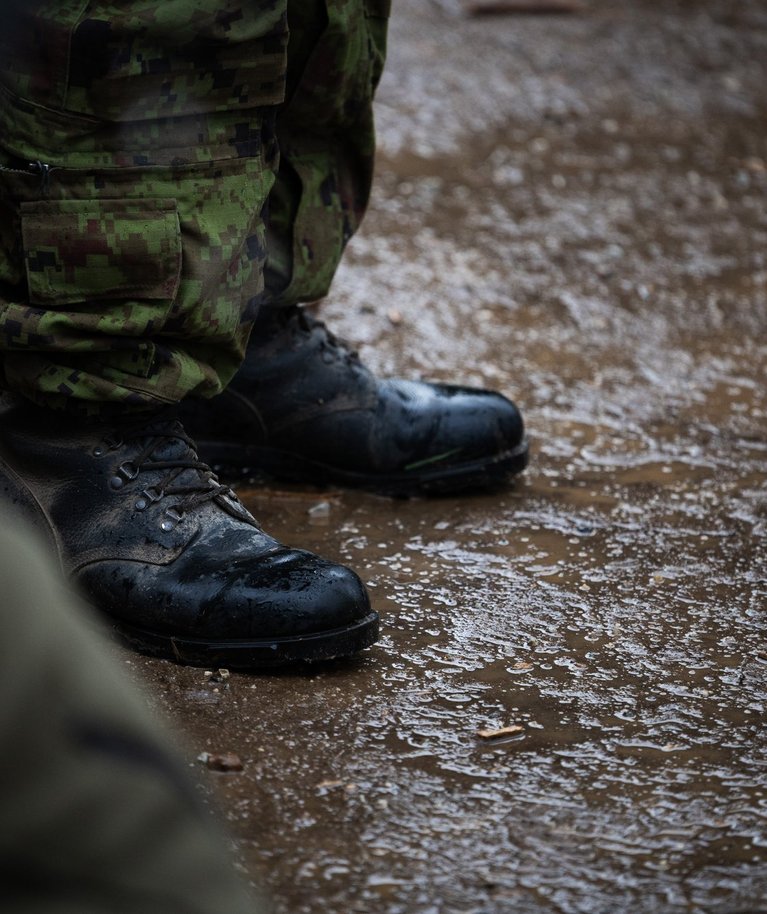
{"x":166,"y":439}
{"x":177,"y":450}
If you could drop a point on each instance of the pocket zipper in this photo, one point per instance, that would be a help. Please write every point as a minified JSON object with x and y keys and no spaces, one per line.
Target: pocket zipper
{"x":40,"y":168}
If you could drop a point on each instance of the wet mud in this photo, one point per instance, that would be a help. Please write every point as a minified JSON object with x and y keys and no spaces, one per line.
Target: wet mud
{"x":571,"y":210}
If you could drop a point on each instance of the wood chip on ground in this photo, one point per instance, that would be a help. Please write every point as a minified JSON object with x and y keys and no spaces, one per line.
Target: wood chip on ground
{"x":500,"y":733}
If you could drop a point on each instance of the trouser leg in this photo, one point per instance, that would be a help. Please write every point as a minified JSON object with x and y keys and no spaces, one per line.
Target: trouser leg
{"x":131,"y":257}
{"x":327,"y":143}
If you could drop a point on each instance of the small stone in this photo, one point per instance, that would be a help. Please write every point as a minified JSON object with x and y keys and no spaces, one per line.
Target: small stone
{"x":328,"y":785}
{"x":395,"y":317}
{"x":221,"y":761}
{"x":319,"y":513}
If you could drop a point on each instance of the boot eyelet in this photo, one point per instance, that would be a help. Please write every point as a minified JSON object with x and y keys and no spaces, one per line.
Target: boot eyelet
{"x":149,"y":497}
{"x":128,"y":471}
{"x":171,"y":519}
{"x":98,"y":451}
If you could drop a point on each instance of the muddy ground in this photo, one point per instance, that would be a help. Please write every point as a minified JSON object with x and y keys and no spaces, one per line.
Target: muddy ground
{"x":570,"y":209}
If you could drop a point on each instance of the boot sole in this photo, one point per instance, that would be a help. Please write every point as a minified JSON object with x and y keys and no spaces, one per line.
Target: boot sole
{"x":253,"y":655}
{"x":234,"y":462}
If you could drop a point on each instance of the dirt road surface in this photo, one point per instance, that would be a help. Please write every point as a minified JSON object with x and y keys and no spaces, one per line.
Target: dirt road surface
{"x":570,"y":209}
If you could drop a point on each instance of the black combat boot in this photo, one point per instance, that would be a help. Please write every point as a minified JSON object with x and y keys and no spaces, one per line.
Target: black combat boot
{"x":304,"y":409}
{"x":168,"y":553}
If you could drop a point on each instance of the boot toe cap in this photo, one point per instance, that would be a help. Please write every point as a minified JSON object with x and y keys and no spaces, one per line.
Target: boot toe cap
{"x":284,"y":594}
{"x":448,"y":421}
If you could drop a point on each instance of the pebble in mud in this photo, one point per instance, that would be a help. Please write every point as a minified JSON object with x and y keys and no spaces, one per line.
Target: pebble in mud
{"x":221,"y":761}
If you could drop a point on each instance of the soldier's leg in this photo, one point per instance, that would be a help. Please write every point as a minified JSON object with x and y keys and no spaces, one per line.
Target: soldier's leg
{"x":131,"y":266}
{"x":302,"y":407}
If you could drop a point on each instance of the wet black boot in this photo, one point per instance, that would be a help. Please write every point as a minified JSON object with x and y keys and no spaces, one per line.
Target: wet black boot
{"x":167,"y":552}
{"x":304,"y":409}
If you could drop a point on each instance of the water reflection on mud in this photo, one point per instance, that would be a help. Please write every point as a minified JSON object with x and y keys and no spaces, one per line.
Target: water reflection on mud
{"x":620,"y":626}
{"x":606,"y":265}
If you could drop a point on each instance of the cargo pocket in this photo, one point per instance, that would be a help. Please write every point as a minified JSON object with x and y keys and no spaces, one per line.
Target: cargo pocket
{"x":81,"y":252}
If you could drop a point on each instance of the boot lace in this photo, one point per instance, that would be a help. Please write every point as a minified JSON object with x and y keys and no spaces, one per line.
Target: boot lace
{"x":187,"y":477}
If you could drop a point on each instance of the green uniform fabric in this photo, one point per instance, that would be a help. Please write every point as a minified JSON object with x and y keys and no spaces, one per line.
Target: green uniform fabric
{"x":96,"y":813}
{"x":145,"y":210}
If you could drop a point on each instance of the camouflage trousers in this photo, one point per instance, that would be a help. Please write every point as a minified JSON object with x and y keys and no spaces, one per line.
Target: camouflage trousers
{"x":166,"y":168}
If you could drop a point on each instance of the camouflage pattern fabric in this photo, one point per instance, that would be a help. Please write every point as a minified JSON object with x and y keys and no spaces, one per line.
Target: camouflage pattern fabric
{"x":327,"y":142}
{"x":141,"y":189}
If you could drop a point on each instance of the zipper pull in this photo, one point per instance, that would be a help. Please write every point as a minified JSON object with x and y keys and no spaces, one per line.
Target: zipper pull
{"x":45,"y":176}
